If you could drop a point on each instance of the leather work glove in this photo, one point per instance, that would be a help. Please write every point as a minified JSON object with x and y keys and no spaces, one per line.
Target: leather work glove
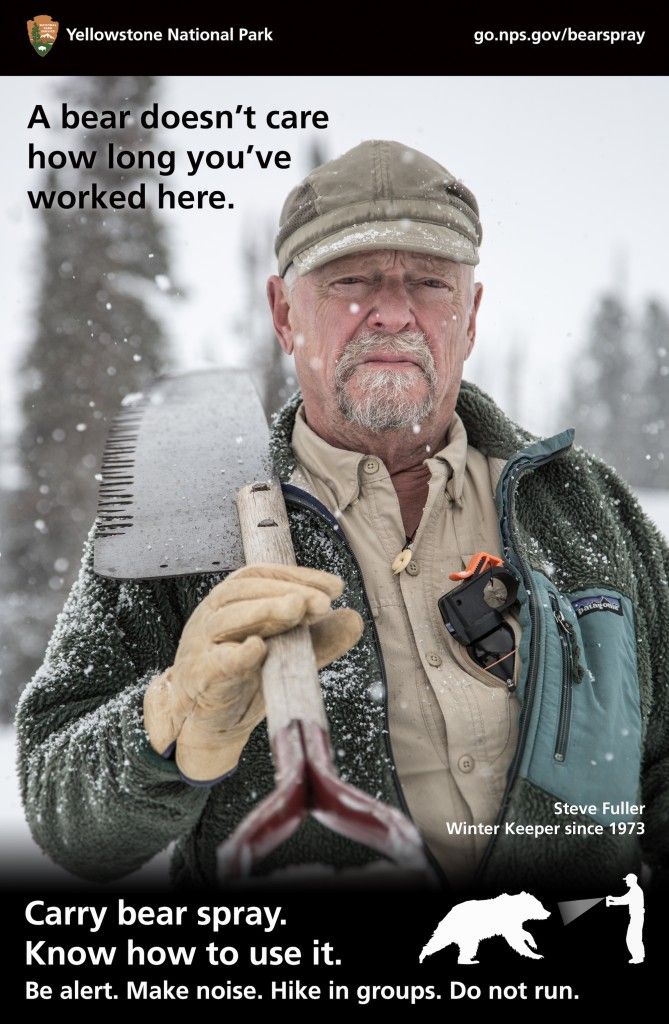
{"x":210,"y":700}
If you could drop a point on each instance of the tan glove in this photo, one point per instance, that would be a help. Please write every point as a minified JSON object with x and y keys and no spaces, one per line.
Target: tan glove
{"x":211,"y":699}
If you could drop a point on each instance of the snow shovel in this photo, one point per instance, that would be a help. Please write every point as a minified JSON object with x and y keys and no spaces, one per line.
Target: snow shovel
{"x":176,"y":458}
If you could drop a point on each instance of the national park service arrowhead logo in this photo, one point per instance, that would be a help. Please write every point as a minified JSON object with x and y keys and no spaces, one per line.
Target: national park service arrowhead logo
{"x":42,"y":32}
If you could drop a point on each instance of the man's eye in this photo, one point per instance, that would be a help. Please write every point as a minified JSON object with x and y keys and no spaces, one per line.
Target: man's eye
{"x":434,"y":282}
{"x":348,"y":280}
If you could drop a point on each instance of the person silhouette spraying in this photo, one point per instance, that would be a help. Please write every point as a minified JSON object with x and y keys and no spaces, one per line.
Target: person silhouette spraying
{"x":633,"y":898}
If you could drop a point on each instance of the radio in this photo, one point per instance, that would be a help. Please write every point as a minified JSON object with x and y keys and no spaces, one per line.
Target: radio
{"x":473,"y":614}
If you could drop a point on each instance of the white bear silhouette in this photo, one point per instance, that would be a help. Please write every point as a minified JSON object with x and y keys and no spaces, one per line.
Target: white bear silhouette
{"x":470,"y":922}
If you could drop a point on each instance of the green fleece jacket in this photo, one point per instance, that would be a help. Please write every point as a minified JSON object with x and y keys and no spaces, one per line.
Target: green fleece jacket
{"x":100,"y":802}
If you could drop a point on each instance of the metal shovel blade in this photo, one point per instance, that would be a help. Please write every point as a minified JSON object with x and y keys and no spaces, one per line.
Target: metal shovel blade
{"x":175,"y":458}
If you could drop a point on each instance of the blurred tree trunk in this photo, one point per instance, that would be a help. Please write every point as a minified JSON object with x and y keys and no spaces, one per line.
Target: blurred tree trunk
{"x":602,"y":389}
{"x":653,"y":399}
{"x":271,"y":370}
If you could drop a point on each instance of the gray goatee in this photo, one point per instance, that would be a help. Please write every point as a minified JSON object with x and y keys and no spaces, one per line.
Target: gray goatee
{"x":386,"y":403}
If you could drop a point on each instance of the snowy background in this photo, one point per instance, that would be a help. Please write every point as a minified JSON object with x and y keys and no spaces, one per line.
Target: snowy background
{"x":570,"y":175}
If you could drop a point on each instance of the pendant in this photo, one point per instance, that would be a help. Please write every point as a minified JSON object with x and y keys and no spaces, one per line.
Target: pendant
{"x":401,"y":561}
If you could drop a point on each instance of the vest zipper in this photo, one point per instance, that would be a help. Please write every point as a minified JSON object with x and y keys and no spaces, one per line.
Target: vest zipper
{"x":304,"y":500}
{"x":564,"y":718}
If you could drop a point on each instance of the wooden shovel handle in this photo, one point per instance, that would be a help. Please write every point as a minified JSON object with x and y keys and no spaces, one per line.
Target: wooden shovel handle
{"x":290,"y":678}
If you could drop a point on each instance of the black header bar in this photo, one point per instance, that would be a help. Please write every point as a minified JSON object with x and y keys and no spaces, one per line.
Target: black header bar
{"x":340,"y":39}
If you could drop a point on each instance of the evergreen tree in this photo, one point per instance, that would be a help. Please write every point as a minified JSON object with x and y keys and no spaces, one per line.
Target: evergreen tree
{"x":268,"y":366}
{"x":514,"y":373}
{"x":653,"y":397}
{"x":602,"y":389}
{"x":96,"y":339}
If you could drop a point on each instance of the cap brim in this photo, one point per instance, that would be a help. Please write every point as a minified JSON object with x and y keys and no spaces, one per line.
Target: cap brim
{"x":409,"y":236}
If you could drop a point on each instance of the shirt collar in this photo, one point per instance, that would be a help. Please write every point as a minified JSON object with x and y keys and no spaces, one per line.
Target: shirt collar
{"x":339,"y":468}
{"x":454,"y":457}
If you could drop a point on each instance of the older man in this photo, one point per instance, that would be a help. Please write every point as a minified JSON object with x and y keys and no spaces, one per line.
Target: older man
{"x":533,"y":753}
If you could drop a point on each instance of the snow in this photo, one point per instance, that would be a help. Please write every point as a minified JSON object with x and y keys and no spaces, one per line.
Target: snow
{"x":17,"y":845}
{"x":133,"y":398}
{"x":579,"y":262}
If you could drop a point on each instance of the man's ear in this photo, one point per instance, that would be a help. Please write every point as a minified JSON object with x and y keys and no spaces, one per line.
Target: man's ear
{"x":471,"y":326}
{"x":279,"y":303}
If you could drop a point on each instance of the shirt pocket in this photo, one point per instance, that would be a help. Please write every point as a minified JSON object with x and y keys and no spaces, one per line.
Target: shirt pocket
{"x":500,"y":719}
{"x":459,"y":651}
{"x":472,"y":667}
{"x":433,"y":718}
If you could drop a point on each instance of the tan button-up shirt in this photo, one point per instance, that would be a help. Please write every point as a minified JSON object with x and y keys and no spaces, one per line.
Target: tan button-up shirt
{"x":453,"y":726}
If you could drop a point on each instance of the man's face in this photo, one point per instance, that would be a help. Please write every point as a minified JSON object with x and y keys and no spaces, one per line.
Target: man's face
{"x":380,"y":337}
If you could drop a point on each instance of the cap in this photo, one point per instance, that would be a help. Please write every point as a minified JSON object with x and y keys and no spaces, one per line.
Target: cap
{"x":379,"y":195}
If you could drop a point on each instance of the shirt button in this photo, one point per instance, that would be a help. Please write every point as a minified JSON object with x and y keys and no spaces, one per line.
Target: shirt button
{"x":413,"y":568}
{"x":466,"y":763}
{"x":371,"y":466}
{"x":433,"y":659}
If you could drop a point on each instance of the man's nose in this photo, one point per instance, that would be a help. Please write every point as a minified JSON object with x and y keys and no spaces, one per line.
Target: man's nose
{"x":391,"y":308}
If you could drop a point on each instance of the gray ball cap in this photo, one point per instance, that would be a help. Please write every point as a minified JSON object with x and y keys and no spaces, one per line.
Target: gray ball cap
{"x":379,"y":195}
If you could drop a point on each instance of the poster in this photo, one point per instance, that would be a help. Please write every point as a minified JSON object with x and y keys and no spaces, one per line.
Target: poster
{"x":568,"y":172}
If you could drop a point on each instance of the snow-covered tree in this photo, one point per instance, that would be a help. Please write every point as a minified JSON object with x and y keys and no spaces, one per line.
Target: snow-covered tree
{"x":96,"y":338}
{"x":619,"y":391}
{"x":653,"y":398}
{"x":602,"y":387}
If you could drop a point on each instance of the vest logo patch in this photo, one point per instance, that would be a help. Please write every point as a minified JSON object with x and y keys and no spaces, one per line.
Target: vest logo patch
{"x":597,"y":603}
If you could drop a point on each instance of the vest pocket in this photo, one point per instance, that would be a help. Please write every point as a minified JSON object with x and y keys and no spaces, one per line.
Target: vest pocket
{"x":584,"y":738}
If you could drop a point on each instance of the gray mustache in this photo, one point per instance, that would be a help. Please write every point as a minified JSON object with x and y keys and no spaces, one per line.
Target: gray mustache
{"x":411,"y":343}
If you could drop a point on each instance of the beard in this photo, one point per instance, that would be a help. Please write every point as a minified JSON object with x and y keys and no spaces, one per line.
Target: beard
{"x":387,"y":402}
